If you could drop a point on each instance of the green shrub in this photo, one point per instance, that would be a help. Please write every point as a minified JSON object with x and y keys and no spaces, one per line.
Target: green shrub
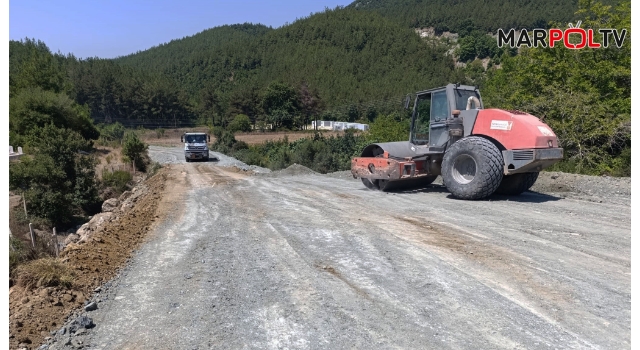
{"x":135,"y":150}
{"x":19,"y":252}
{"x":112,"y":132}
{"x":118,"y":180}
{"x":224,"y":140}
{"x":250,"y":156}
{"x":388,"y":128}
{"x":240,"y":123}
{"x":154,"y":169}
{"x":239,"y":145}
{"x":57,"y":181}
{"x":35,"y":108}
{"x":322,"y":154}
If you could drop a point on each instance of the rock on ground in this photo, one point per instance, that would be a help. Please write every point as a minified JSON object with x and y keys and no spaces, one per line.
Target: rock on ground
{"x":72,"y":238}
{"x":110,"y":205}
{"x":93,"y":225}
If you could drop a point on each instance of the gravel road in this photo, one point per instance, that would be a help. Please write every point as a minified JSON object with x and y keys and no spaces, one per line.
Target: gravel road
{"x":318,"y":262}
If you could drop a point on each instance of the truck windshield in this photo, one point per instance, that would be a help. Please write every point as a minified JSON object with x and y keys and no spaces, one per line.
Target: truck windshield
{"x":462,"y":96}
{"x":196,"y":138}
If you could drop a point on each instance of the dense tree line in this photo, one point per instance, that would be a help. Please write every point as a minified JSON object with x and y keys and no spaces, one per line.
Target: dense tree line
{"x":115,"y":92}
{"x":485,"y":15}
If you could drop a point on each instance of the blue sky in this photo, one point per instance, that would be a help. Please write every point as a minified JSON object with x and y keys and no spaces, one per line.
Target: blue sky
{"x":107,"y":29}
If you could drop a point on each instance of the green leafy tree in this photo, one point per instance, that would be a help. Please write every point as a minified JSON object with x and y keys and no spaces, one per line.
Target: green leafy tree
{"x":477,"y":45}
{"x":388,"y":128}
{"x":280,"y":97}
{"x":134,"y":150}
{"x":58,"y":180}
{"x":34,"y":107}
{"x":353,"y":113}
{"x":467,"y":50}
{"x":112,"y":132}
{"x":371,"y":113}
{"x":240,"y":123}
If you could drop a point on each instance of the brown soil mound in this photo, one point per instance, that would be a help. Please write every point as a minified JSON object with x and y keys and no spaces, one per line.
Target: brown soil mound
{"x":33,"y":313}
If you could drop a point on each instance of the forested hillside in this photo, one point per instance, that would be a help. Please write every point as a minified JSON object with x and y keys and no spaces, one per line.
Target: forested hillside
{"x":346,"y":56}
{"x":485,"y":15}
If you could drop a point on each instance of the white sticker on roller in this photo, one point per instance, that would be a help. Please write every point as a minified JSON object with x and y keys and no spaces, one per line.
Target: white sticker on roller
{"x":501,"y":124}
{"x":545,"y":131}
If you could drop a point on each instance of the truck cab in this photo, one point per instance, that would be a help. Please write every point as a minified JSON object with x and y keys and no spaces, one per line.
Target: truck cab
{"x":195,"y":146}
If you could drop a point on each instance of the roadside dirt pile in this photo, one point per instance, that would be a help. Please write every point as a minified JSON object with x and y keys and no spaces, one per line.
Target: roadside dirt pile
{"x":292,"y":170}
{"x":101,"y":248}
{"x":600,"y":186}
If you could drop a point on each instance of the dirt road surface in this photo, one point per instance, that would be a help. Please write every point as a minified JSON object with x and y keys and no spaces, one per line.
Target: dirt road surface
{"x":318,"y":262}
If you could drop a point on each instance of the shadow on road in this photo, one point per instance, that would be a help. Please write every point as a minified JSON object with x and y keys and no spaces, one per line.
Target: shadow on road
{"x":211,"y":159}
{"x":526,"y":197}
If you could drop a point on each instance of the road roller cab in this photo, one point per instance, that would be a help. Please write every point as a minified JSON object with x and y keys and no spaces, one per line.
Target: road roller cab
{"x":477,"y":151}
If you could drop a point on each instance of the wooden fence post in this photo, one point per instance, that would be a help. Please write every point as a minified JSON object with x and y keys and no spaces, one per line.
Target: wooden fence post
{"x":33,"y":236}
{"x":55,"y":242}
{"x":24,"y":202}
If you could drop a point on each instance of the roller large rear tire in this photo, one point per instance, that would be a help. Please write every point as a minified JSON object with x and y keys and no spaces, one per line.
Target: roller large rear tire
{"x":472,"y":168}
{"x":513,"y":185}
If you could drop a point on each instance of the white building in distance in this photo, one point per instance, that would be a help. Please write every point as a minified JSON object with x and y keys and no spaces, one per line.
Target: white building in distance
{"x":338,"y":126}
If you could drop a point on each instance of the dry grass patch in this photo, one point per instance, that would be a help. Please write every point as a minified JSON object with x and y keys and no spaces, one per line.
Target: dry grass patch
{"x":45,"y":272}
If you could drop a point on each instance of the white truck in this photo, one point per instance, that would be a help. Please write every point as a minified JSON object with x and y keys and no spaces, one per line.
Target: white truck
{"x":195,"y":146}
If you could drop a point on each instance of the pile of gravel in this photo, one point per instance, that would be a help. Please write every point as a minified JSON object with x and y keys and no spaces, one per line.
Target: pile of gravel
{"x":226,"y":161}
{"x":292,"y":170}
{"x":597,"y":186}
{"x":345,"y":175}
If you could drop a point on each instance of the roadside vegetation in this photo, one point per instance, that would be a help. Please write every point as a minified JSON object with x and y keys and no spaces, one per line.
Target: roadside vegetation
{"x":584,"y":95}
{"x":56,"y":177}
{"x":320,"y":153}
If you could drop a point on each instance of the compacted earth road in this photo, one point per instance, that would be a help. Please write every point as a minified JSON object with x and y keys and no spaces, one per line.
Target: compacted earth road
{"x":294,"y":259}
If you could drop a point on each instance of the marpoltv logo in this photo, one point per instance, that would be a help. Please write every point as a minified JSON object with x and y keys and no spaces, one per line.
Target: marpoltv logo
{"x":553,"y":37}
